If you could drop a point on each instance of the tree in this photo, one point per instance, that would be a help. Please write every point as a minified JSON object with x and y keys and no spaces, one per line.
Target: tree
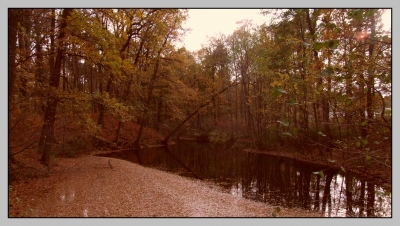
{"x":311,"y":76}
{"x":51,"y":104}
{"x":12,"y":45}
{"x":167,"y":32}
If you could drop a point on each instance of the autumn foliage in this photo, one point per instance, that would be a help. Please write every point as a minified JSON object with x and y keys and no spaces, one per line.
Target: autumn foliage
{"x":313,"y":82}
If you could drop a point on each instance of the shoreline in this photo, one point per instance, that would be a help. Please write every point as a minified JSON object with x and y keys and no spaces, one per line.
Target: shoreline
{"x":88,"y":187}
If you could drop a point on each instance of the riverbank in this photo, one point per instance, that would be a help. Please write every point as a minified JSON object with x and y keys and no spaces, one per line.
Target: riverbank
{"x":91,"y":186}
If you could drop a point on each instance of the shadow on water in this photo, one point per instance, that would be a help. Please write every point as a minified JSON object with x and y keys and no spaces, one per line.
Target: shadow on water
{"x":275,"y":180}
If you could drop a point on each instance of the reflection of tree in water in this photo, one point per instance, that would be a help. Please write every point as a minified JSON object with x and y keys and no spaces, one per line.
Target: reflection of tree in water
{"x":291,"y":183}
{"x":275,"y":180}
{"x":268,"y":179}
{"x":182,"y":164}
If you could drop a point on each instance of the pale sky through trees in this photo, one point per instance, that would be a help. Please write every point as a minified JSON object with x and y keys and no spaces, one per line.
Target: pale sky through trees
{"x":212,"y":22}
{"x":207,"y":23}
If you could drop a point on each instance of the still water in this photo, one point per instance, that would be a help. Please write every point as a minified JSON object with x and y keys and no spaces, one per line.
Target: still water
{"x":274,"y":180}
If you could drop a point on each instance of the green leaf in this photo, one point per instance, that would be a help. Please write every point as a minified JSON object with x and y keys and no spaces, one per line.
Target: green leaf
{"x":331,"y":25}
{"x":278,"y":209}
{"x":293,"y":102}
{"x":358,"y":143}
{"x":328,"y":71}
{"x":322,"y":134}
{"x":367,"y":157}
{"x":364,"y":123}
{"x":348,"y":102}
{"x":318,"y":45}
{"x":368,"y":13}
{"x":337,"y":30}
{"x":365,"y":141}
{"x":294,"y":131}
{"x":331,"y":44}
{"x":277,"y":91}
{"x":388,"y":193}
{"x":356,"y":14}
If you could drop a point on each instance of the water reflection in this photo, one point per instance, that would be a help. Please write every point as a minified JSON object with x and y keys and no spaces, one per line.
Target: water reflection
{"x":275,"y":180}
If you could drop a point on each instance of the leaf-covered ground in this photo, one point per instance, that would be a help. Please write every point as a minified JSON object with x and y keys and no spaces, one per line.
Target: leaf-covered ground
{"x":90,"y":186}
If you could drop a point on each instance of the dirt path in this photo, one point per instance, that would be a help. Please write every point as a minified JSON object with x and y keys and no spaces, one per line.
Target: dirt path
{"x":89,"y":187}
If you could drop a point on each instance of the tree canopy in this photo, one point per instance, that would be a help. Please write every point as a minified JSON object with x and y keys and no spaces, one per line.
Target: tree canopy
{"x":309,"y":78}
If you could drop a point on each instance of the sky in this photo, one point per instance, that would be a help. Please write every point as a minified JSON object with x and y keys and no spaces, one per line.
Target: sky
{"x":212,"y":22}
{"x":207,"y":23}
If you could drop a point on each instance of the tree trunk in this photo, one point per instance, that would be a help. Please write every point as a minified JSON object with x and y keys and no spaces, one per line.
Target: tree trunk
{"x":25,"y":43}
{"x":136,"y":144}
{"x":47,"y":134}
{"x":12,"y":53}
{"x":52,"y":41}
{"x":370,"y":80}
{"x":102,"y":108}
{"x":117,"y":132}
{"x":51,"y":66}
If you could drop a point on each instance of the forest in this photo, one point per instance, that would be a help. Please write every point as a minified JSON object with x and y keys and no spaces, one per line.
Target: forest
{"x":313,"y":84}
